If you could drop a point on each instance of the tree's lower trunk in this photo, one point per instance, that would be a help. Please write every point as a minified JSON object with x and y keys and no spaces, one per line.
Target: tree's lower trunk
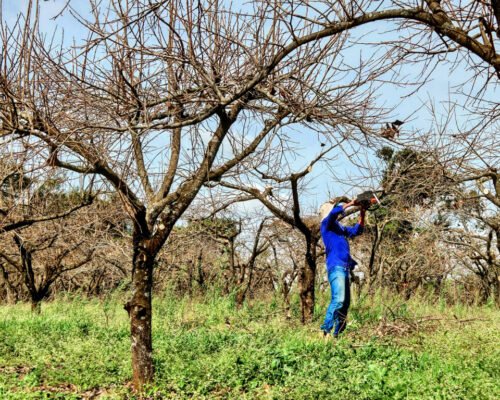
{"x":286,"y":299}
{"x":438,"y":283}
{"x":485,"y":291}
{"x":245,"y":287}
{"x":240,"y":289}
{"x":240,"y":297}
{"x":233,"y":280}
{"x":199,"y":269}
{"x":497,"y":291}
{"x":11,"y":291}
{"x":356,"y":285}
{"x":36,"y":306}
{"x":12,"y":296}
{"x":190,"y":278}
{"x":37,"y":296}
{"x":307,"y":278}
{"x":492,"y":282}
{"x":139,"y":310}
{"x":372,"y":274}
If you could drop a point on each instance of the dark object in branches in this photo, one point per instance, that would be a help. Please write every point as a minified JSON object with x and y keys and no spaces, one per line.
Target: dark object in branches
{"x":391,"y":130}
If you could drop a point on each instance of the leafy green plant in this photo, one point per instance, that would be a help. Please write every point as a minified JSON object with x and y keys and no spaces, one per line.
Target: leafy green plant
{"x":207,"y":349}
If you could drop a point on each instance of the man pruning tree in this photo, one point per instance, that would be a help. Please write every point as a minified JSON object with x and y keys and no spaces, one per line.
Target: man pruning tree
{"x":339,"y":262}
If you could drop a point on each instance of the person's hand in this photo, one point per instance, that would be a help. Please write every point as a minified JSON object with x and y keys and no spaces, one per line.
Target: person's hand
{"x":349,"y":204}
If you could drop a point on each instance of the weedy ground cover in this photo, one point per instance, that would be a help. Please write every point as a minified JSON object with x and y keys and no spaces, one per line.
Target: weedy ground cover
{"x":205,"y":348}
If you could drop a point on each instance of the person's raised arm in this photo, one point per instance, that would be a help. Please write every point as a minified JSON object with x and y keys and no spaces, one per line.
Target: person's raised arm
{"x":350,"y":204}
{"x":358,"y":228}
{"x":361,"y":220}
{"x":335,"y":212}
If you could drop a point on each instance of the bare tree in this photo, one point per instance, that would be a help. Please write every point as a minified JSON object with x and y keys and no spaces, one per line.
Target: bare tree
{"x":411,"y":184}
{"x":146,"y":103}
{"x":290,"y":213}
{"x":247,"y":266}
{"x":201,"y":252}
{"x":434,"y":27}
{"x":36,"y":257}
{"x":148,"y":99}
{"x":286,"y":259}
{"x":472,"y":229}
{"x":25,"y":188}
{"x":38,"y":285}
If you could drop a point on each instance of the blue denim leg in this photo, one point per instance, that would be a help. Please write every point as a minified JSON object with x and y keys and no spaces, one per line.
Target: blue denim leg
{"x":336,"y":312}
{"x":341,"y":313}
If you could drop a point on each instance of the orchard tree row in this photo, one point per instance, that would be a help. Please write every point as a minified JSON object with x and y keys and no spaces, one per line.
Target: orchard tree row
{"x":107,"y":141}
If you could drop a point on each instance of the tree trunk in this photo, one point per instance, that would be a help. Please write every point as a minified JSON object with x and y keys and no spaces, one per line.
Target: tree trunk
{"x":497,"y":291}
{"x":199,"y":270}
{"x":11,"y":291}
{"x":139,"y":310}
{"x":190,"y":277}
{"x":240,"y":290}
{"x":285,"y":290}
{"x":36,"y":306}
{"x":307,"y":278}
{"x":372,"y":274}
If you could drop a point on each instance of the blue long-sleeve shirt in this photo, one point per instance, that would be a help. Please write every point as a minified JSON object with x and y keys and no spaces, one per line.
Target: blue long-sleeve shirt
{"x":335,"y":237}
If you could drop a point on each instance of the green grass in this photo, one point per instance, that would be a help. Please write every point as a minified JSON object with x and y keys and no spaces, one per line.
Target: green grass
{"x":205,"y":348}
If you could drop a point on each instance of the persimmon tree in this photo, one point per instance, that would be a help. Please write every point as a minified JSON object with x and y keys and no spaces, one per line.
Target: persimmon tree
{"x":160,"y":98}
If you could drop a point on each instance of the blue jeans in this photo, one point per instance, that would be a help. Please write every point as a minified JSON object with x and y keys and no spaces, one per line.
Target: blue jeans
{"x":336,"y":312}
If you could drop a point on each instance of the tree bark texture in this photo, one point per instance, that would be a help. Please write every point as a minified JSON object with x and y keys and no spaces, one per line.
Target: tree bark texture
{"x":307,"y":278}
{"x":36,"y":306}
{"x":140,"y":313}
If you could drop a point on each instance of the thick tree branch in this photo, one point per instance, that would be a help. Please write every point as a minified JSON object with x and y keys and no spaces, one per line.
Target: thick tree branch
{"x":30,"y":221}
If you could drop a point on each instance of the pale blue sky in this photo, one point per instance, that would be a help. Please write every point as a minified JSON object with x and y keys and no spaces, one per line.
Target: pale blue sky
{"x":436,"y":92}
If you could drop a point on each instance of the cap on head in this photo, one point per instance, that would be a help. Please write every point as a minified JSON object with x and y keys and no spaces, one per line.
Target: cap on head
{"x":325,"y":209}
